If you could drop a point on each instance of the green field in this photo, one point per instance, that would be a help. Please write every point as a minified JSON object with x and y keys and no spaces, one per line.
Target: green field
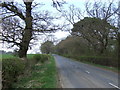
{"x":5,"y":56}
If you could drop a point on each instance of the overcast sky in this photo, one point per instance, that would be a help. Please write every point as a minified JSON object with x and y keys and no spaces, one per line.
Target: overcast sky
{"x":60,"y":34}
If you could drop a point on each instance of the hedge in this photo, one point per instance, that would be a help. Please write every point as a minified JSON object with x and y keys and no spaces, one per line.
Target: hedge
{"x":41,"y":57}
{"x":11,"y":69}
{"x":105,"y":61}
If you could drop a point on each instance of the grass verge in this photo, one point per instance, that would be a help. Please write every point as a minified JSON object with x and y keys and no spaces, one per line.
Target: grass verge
{"x":42,"y":76}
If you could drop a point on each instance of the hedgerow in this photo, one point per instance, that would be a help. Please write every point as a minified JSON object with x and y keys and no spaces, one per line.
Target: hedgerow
{"x":11,"y":69}
{"x":41,"y":57}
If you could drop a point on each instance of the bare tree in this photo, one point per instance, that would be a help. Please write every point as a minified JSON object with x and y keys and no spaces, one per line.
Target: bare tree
{"x":101,"y":10}
{"x":20,"y":24}
{"x":106,"y":11}
{"x":73,"y":14}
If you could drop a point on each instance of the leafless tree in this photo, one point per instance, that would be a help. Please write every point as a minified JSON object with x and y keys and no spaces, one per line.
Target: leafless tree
{"x":101,"y":10}
{"x":73,"y":14}
{"x":21,"y":24}
{"x":106,"y":11}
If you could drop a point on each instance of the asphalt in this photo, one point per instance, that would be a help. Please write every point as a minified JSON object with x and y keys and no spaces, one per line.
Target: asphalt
{"x":75,"y":74}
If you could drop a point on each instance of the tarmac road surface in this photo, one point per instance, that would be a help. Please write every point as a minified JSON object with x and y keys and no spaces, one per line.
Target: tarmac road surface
{"x":75,"y":74}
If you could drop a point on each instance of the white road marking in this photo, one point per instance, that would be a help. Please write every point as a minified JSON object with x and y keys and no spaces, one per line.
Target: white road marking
{"x":60,"y":82}
{"x":114,"y":85}
{"x":62,"y":85}
{"x":87,"y":72}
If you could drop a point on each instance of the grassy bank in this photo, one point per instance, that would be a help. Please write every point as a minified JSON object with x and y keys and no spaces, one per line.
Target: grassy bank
{"x":43,"y":75}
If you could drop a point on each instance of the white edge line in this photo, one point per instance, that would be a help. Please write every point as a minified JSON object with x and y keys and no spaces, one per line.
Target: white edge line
{"x":114,"y":85}
{"x":61,"y":82}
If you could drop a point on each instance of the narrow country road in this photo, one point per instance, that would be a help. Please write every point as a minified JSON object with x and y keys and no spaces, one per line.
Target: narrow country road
{"x":74,"y":74}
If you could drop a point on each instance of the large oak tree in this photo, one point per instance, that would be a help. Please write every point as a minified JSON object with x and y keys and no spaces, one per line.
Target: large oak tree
{"x":21,"y":23}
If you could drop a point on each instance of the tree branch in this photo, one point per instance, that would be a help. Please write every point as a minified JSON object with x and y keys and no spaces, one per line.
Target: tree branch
{"x":13,"y":9}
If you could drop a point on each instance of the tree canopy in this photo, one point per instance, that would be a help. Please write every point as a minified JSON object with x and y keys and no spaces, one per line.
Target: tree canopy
{"x":96,"y":31}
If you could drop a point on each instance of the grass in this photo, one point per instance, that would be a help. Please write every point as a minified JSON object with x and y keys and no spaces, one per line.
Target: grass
{"x":30,"y":56}
{"x":42,"y":76}
{"x":6,"y":56}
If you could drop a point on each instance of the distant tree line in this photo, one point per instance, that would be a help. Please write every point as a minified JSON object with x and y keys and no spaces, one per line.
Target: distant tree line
{"x":4,"y":52}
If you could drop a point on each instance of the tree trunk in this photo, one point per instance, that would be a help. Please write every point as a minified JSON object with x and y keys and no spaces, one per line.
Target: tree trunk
{"x":25,"y":43}
{"x":103,"y":48}
{"x":27,"y":32}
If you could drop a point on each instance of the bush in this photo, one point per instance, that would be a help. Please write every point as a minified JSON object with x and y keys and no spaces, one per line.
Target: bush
{"x":11,"y":69}
{"x":37,"y":57}
{"x":41,"y":57}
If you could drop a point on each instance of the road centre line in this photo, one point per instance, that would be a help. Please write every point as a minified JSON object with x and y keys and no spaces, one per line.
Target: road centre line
{"x":114,"y":85}
{"x":87,"y":72}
